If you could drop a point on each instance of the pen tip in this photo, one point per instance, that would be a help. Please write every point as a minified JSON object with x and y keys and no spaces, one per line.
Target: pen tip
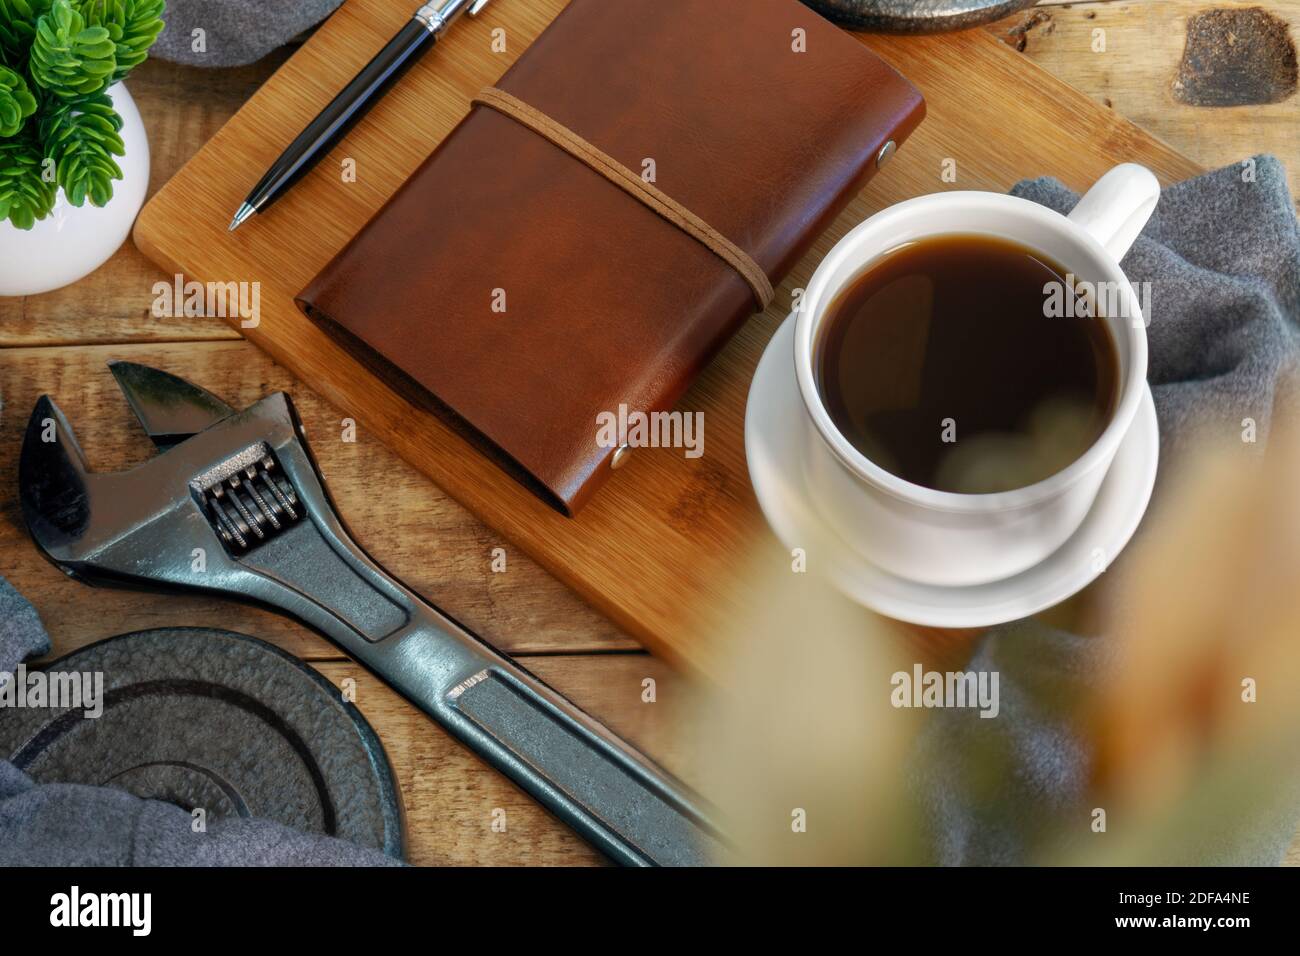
{"x":244,"y":212}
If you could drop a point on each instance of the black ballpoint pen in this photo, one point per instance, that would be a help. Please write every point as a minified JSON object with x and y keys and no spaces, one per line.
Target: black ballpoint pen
{"x":426,"y":26}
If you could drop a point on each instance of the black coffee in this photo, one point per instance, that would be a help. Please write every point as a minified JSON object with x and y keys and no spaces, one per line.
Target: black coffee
{"x":949,"y":363}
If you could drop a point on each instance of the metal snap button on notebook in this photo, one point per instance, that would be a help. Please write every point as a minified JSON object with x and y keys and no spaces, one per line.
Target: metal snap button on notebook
{"x":620,"y":457}
{"x":885,"y":153}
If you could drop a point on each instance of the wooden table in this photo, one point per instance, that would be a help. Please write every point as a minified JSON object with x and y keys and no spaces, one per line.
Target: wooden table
{"x":59,"y":343}
{"x":1140,"y":70}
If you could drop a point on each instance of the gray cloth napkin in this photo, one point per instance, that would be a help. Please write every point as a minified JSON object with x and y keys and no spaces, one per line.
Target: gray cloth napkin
{"x":60,"y":824}
{"x":1223,"y":257}
{"x":235,"y":32}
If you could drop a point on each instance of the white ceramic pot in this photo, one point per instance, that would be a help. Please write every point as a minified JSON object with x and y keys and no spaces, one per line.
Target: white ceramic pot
{"x":942,"y":538}
{"x":74,"y":241}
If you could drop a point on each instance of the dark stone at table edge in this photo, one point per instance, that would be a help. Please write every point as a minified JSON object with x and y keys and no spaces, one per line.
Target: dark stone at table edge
{"x":915,"y":16}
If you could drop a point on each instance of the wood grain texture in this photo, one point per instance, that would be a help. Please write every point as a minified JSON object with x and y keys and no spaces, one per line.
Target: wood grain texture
{"x":1136,"y":74}
{"x":659,"y":548}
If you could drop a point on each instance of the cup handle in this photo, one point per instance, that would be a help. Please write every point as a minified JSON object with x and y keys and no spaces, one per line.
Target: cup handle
{"x":1118,"y":205}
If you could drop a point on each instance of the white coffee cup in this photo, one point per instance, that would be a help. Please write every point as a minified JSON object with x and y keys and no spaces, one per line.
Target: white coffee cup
{"x":945,"y":538}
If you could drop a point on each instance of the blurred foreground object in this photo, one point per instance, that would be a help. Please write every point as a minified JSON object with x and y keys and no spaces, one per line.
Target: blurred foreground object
{"x":1173,"y":739}
{"x":805,"y":747}
{"x":1198,"y":726}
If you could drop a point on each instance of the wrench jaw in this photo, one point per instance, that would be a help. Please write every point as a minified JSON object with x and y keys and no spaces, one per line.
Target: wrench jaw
{"x":55,"y":487}
{"x":137,"y":528}
{"x":203,"y":515}
{"x":169,"y":408}
{"x":238,"y":509}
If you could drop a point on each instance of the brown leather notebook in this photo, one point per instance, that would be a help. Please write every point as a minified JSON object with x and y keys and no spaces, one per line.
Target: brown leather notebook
{"x":518,"y":290}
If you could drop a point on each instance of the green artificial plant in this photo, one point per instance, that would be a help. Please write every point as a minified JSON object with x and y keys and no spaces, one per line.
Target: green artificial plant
{"x":58,"y":128}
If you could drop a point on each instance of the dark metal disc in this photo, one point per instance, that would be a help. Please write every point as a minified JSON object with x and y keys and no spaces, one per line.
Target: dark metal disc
{"x":915,"y":16}
{"x":218,"y":720}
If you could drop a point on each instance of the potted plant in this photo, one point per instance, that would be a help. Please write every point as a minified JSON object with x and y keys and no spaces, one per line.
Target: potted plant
{"x":70,"y":135}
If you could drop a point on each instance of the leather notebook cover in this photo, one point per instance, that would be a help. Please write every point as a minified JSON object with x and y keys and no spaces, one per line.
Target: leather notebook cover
{"x":519,"y":292}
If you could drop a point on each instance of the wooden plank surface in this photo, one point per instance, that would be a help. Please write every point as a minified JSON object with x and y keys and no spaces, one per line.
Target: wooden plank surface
{"x":659,"y":548}
{"x":445,"y":790}
{"x":1137,"y":72}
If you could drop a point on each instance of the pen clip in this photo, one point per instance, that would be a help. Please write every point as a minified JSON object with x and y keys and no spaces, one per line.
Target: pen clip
{"x":438,"y":15}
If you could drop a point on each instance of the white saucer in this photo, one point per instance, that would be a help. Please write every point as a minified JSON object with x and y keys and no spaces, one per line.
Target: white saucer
{"x":774,"y":446}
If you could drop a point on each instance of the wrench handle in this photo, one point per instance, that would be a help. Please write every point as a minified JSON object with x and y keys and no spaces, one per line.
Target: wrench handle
{"x":614,"y":797}
{"x":625,"y":805}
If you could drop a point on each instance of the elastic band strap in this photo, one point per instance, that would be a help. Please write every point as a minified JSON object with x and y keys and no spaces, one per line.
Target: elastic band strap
{"x":633,"y":185}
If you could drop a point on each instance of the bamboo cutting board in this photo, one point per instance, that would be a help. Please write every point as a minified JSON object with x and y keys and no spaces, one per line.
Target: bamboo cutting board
{"x":668,"y":546}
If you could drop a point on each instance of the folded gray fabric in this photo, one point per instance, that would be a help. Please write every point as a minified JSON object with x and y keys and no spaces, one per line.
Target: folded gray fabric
{"x":21,"y":633}
{"x":234,"y":32}
{"x":996,"y":791}
{"x":1222,"y":255}
{"x":75,"y":825}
